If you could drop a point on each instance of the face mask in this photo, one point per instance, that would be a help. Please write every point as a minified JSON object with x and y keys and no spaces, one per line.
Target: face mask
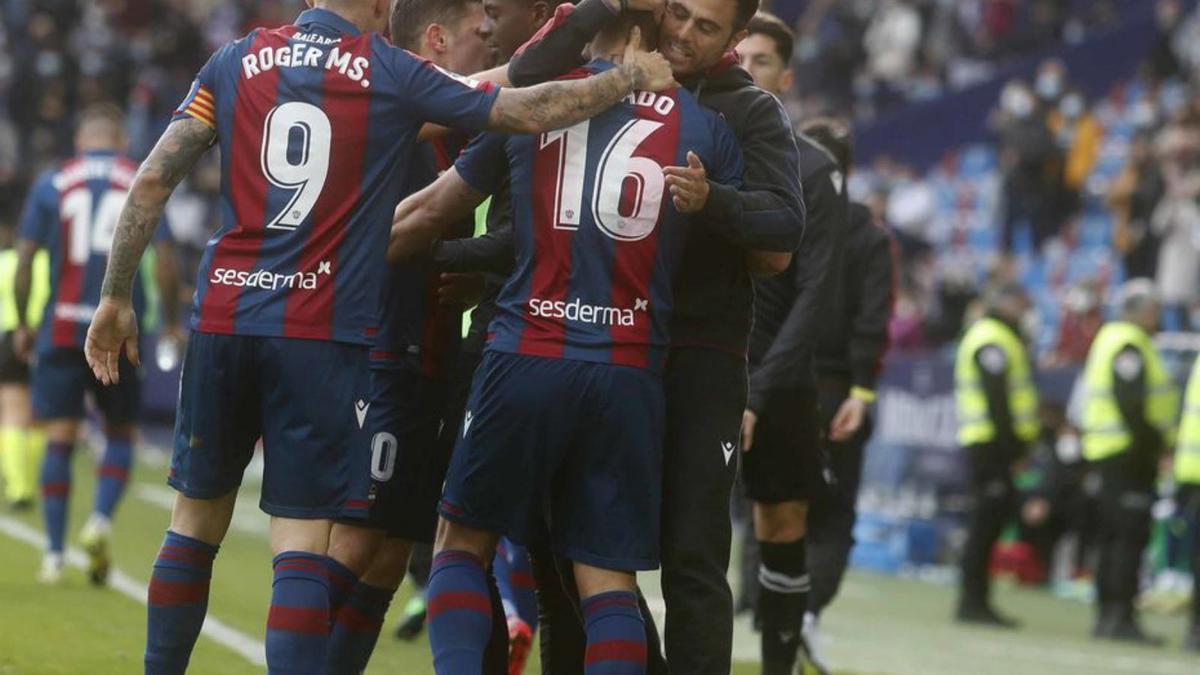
{"x":1031,"y":324}
{"x":1072,"y":106}
{"x":1049,"y":86}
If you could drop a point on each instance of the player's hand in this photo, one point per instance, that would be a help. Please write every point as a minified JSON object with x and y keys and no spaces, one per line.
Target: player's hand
{"x":114,"y":329}
{"x":462,"y":290}
{"x":749,"y":421}
{"x":22,"y":343}
{"x":649,"y":71}
{"x":688,"y":184}
{"x":848,"y":420}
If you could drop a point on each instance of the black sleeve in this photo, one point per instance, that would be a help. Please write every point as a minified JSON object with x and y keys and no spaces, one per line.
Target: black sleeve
{"x":557,"y":48}
{"x":491,"y":252}
{"x":768,"y":213}
{"x":790,"y":354}
{"x":876,"y":288}
{"x":1129,"y":388}
{"x":995,"y":390}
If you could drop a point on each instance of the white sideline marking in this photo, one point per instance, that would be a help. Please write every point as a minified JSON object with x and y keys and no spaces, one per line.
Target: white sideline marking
{"x":245,"y":646}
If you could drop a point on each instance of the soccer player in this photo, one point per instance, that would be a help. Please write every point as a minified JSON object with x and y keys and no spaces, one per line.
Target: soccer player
{"x":21,"y":442}
{"x":416,"y":339}
{"x":508,"y":24}
{"x":567,"y":409}
{"x":315,"y":122}
{"x":760,"y":225}
{"x":783,"y":465}
{"x":71,"y":212}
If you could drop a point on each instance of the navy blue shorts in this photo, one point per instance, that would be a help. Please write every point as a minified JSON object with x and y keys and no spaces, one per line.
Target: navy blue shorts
{"x":306,"y":399}
{"x":406,"y":469}
{"x":62,"y":378}
{"x":575,"y":442}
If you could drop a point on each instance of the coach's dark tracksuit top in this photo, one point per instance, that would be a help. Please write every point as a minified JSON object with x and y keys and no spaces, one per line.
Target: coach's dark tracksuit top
{"x":714,"y":294}
{"x":852,"y":344}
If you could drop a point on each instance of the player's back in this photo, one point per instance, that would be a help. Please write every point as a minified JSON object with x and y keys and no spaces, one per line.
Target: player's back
{"x":73,"y":213}
{"x":315,"y":122}
{"x":597,"y":236}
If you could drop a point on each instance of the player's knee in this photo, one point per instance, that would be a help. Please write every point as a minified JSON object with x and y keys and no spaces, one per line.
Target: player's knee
{"x":356,"y":548}
{"x":591,"y":580}
{"x":204,"y":519}
{"x":295,"y":534}
{"x":453,"y":536}
{"x":780,"y":523}
{"x":61,"y":430}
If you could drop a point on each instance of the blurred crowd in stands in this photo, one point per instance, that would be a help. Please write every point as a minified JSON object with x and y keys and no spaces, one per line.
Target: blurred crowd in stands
{"x":1066,"y":181}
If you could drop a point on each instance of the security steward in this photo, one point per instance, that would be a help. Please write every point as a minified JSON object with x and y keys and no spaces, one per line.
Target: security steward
{"x":1187,"y":491}
{"x":997,"y":421}
{"x":1128,"y":423}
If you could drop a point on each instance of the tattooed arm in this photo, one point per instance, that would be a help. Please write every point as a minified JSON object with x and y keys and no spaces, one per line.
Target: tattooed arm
{"x":556,"y":105}
{"x":114,"y":326}
{"x":171,"y":159}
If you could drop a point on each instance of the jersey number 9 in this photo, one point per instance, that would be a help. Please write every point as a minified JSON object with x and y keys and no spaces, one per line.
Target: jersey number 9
{"x":295,"y":156}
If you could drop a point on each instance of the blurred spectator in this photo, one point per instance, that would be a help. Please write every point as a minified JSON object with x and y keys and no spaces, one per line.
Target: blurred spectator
{"x":1082,"y":317}
{"x":891,"y":41}
{"x":1030,"y":160}
{"x":1133,"y":198}
{"x":1079,"y":136}
{"x":1176,"y":220}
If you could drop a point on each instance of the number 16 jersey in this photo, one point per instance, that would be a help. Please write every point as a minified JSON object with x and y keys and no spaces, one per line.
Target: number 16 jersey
{"x":315,"y":122}
{"x":597,"y":236}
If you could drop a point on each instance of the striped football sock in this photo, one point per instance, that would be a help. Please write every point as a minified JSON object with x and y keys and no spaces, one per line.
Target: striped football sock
{"x":177,"y":602}
{"x":56,"y":488}
{"x":356,"y":628}
{"x":459,"y":613}
{"x":113,"y":474}
{"x":616,"y":634}
{"x":298,"y":622}
{"x":783,"y":584}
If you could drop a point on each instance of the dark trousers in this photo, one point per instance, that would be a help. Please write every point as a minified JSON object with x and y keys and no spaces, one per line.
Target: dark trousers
{"x":993,"y":506}
{"x":1127,"y":495}
{"x":706,"y":394}
{"x":832,"y":512}
{"x":1189,"y":499}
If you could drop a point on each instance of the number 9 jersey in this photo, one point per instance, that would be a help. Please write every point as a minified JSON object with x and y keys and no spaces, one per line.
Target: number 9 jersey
{"x":315,"y":122}
{"x":596,"y":233}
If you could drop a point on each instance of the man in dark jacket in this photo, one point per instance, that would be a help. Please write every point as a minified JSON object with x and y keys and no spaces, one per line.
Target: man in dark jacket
{"x":757,"y":228}
{"x":848,"y":359}
{"x":783,"y":465}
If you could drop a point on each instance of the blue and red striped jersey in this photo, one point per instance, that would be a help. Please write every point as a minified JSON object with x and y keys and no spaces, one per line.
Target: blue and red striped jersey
{"x":72,"y":212}
{"x":416,"y":332}
{"x":596,"y":234}
{"x":316,"y":123}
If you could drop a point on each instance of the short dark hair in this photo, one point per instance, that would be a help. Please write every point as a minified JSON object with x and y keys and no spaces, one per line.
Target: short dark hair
{"x":645,"y":21}
{"x":410,"y":18}
{"x":745,"y":11}
{"x":765,"y":23}
{"x":834,"y":137}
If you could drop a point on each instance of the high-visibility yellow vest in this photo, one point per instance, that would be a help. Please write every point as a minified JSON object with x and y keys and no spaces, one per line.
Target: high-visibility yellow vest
{"x":975,"y":424}
{"x":1104,"y":430}
{"x":1187,"y":452}
{"x":39,"y":289}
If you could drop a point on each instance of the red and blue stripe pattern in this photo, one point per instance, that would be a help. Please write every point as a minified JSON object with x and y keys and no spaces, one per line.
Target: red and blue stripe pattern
{"x":598,"y":239}
{"x":316,"y":123}
{"x":298,"y":622}
{"x":178,"y":601}
{"x":458,"y":612}
{"x":616,"y":634}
